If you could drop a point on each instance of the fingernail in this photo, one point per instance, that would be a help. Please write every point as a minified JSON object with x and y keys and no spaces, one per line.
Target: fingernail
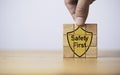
{"x":79,"y":21}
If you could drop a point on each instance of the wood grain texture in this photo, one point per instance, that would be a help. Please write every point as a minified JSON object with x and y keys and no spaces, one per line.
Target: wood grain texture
{"x":67,"y":28}
{"x":92,"y":52}
{"x":68,"y":52}
{"x":75,"y":26}
{"x":65,"y":41}
{"x":91,"y":28}
{"x":43,"y":62}
{"x":94,"y":41}
{"x":84,"y":56}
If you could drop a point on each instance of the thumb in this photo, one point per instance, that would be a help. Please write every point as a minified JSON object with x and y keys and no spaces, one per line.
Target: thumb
{"x":81,"y":11}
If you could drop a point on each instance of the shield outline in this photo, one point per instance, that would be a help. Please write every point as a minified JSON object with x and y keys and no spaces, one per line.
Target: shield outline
{"x":85,"y":47}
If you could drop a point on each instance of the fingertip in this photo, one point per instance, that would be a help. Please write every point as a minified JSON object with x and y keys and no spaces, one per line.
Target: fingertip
{"x":79,"y":21}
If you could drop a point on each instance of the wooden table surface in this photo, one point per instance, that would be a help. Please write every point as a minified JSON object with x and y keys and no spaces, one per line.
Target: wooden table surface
{"x":53,"y":63}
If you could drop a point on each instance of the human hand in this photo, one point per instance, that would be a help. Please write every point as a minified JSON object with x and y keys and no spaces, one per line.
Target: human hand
{"x":78,"y":10}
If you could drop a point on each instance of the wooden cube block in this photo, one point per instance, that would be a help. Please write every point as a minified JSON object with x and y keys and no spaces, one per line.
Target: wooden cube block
{"x":68,"y":52}
{"x":67,"y":28}
{"x":92,"y":52}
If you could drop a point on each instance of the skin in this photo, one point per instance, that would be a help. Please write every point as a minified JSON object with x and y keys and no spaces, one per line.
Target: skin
{"x":78,"y":10}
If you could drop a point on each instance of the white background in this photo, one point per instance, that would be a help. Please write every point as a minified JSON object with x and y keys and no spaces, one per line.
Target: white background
{"x":38,"y":24}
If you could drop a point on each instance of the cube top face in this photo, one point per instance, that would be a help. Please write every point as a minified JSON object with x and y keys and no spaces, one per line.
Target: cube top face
{"x":78,"y":40}
{"x":88,"y":27}
{"x":67,"y":28}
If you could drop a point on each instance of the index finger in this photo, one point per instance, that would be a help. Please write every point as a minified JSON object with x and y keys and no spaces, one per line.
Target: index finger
{"x":71,"y":6}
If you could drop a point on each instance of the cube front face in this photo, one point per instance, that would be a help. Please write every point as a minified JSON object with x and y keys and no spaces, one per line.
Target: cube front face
{"x":91,"y":52}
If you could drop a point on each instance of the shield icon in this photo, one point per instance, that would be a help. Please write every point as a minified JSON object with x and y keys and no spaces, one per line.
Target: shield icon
{"x":79,"y":41}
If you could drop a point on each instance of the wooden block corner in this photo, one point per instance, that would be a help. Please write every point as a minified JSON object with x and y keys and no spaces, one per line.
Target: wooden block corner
{"x":91,"y":28}
{"x":67,"y":28}
{"x":67,"y":52}
{"x":92,"y":52}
